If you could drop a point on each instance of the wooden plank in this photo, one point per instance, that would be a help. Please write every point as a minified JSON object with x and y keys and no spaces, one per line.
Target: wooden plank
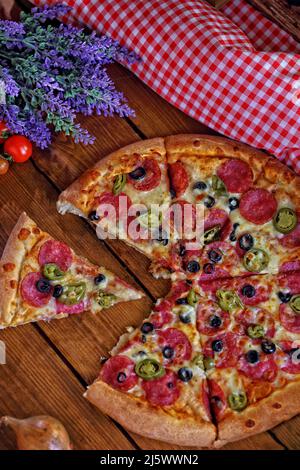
{"x":281,"y":13}
{"x":35,"y":381}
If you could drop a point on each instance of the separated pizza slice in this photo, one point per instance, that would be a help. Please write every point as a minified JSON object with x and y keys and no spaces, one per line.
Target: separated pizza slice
{"x":42,"y":279}
{"x":125,"y":196}
{"x":250,"y":204}
{"x":154,"y":383}
{"x":251,"y":351}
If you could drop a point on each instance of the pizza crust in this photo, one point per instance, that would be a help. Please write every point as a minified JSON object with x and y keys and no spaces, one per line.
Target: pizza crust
{"x":148,"y":421}
{"x":280,"y":406}
{"x":14,"y":254}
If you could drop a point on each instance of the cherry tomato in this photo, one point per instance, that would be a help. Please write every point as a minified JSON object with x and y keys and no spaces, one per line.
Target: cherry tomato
{"x":18,"y":147}
{"x":4,"y":166}
{"x":3,"y":132}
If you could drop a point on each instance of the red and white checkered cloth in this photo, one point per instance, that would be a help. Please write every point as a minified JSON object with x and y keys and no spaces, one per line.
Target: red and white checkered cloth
{"x":234,"y":70}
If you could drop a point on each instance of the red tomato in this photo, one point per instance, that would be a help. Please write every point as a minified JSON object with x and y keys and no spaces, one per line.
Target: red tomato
{"x":18,"y":147}
{"x":3,"y":132}
{"x":4,"y":166}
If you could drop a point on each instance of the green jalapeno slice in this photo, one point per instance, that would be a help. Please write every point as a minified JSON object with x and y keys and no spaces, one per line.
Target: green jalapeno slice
{"x":237,"y":401}
{"x":105,"y":299}
{"x":149,"y":369}
{"x":212,"y":234}
{"x":218,"y":186}
{"x":228,"y":300}
{"x":52,"y":272}
{"x":73,"y":293}
{"x":256,"y":260}
{"x":255,"y":331}
{"x":285,"y":220}
{"x":119,"y":183}
{"x":295,"y":304}
{"x":192,"y":298}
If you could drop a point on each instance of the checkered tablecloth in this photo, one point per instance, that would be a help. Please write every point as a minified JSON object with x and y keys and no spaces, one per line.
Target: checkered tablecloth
{"x":233,"y":70}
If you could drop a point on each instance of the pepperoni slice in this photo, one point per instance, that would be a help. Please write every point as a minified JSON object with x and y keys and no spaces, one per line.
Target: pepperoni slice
{"x":70,"y":309}
{"x":265,"y":369}
{"x":205,"y":280}
{"x":291,"y":240}
{"x":217,"y":399}
{"x":120,"y":203}
{"x":258,"y":206}
{"x":178,"y":341}
{"x":228,"y":356}
{"x":290,"y":281}
{"x":227,"y":264}
{"x":290,"y":363}
{"x":162,"y":311}
{"x":218,"y":217}
{"x":163,"y":391}
{"x":205,"y":313}
{"x":236,"y":175}
{"x":118,"y":372}
{"x":205,"y":399}
{"x":261,"y":292}
{"x":56,"y":252}
{"x":30,"y":293}
{"x":255,"y":317}
{"x":290,"y":266}
{"x":179,"y":178}
{"x":152,"y":178}
{"x":289,"y":319}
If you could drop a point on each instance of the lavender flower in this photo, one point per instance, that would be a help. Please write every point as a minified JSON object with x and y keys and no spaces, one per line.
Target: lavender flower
{"x":52,"y":72}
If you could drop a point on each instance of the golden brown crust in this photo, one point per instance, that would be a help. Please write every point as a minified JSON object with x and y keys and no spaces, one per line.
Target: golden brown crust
{"x":71,"y":196}
{"x":10,"y":265}
{"x":280,"y":406}
{"x":138,"y":417}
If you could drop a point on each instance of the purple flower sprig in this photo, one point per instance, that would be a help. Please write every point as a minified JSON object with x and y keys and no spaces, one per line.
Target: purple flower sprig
{"x":51,"y":72}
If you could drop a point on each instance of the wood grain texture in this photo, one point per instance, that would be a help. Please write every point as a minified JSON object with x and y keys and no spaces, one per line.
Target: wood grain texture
{"x":281,"y":13}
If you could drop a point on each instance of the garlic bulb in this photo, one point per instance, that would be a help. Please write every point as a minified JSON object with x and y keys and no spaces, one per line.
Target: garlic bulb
{"x":38,"y":433}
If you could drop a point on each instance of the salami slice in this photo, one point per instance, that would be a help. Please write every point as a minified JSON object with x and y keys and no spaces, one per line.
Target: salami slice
{"x":290,"y":266}
{"x":178,"y":342}
{"x":56,"y":252}
{"x":70,"y":309}
{"x":211,"y":319}
{"x":163,"y":391}
{"x":291,"y":240}
{"x":161,"y":315}
{"x":217,"y":399}
{"x":29,"y":291}
{"x":289,"y":319}
{"x":152,"y":176}
{"x":264,"y":369}
{"x":258,"y":206}
{"x":218,"y":217}
{"x":255,"y":316}
{"x":251,"y":292}
{"x":236,"y":175}
{"x":118,"y":372}
{"x":290,"y":281}
{"x":227,"y":357}
{"x":179,"y":178}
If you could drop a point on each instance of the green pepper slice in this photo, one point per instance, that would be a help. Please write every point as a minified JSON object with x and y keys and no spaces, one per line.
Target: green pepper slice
{"x":212,"y":234}
{"x":256,"y":260}
{"x":218,"y":186}
{"x":198,"y":361}
{"x":228,"y":300}
{"x":149,"y":369}
{"x":119,"y":183}
{"x":73,"y":293}
{"x":105,"y":299}
{"x":52,"y":272}
{"x":237,"y":401}
{"x":208,"y":363}
{"x":285,"y":220}
{"x":255,"y":331}
{"x":295,"y":304}
{"x":192,"y":298}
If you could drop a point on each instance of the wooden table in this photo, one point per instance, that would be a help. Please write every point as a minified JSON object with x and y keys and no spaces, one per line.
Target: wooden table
{"x":49,"y":365}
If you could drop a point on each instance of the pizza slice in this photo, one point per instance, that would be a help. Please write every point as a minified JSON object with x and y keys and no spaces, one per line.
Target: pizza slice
{"x":154,"y":382}
{"x":250,"y":338}
{"x":42,"y":279}
{"x":250,"y":204}
{"x":124,"y":196}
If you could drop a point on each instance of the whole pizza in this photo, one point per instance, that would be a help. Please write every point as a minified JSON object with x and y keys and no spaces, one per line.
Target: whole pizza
{"x":218,"y":359}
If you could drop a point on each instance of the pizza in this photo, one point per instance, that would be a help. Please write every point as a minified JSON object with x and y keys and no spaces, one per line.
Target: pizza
{"x":43,"y":279}
{"x":218,"y":359}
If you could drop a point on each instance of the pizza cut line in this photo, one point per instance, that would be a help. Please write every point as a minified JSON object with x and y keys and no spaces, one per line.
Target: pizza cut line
{"x":43,"y":279}
{"x":217,"y":360}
